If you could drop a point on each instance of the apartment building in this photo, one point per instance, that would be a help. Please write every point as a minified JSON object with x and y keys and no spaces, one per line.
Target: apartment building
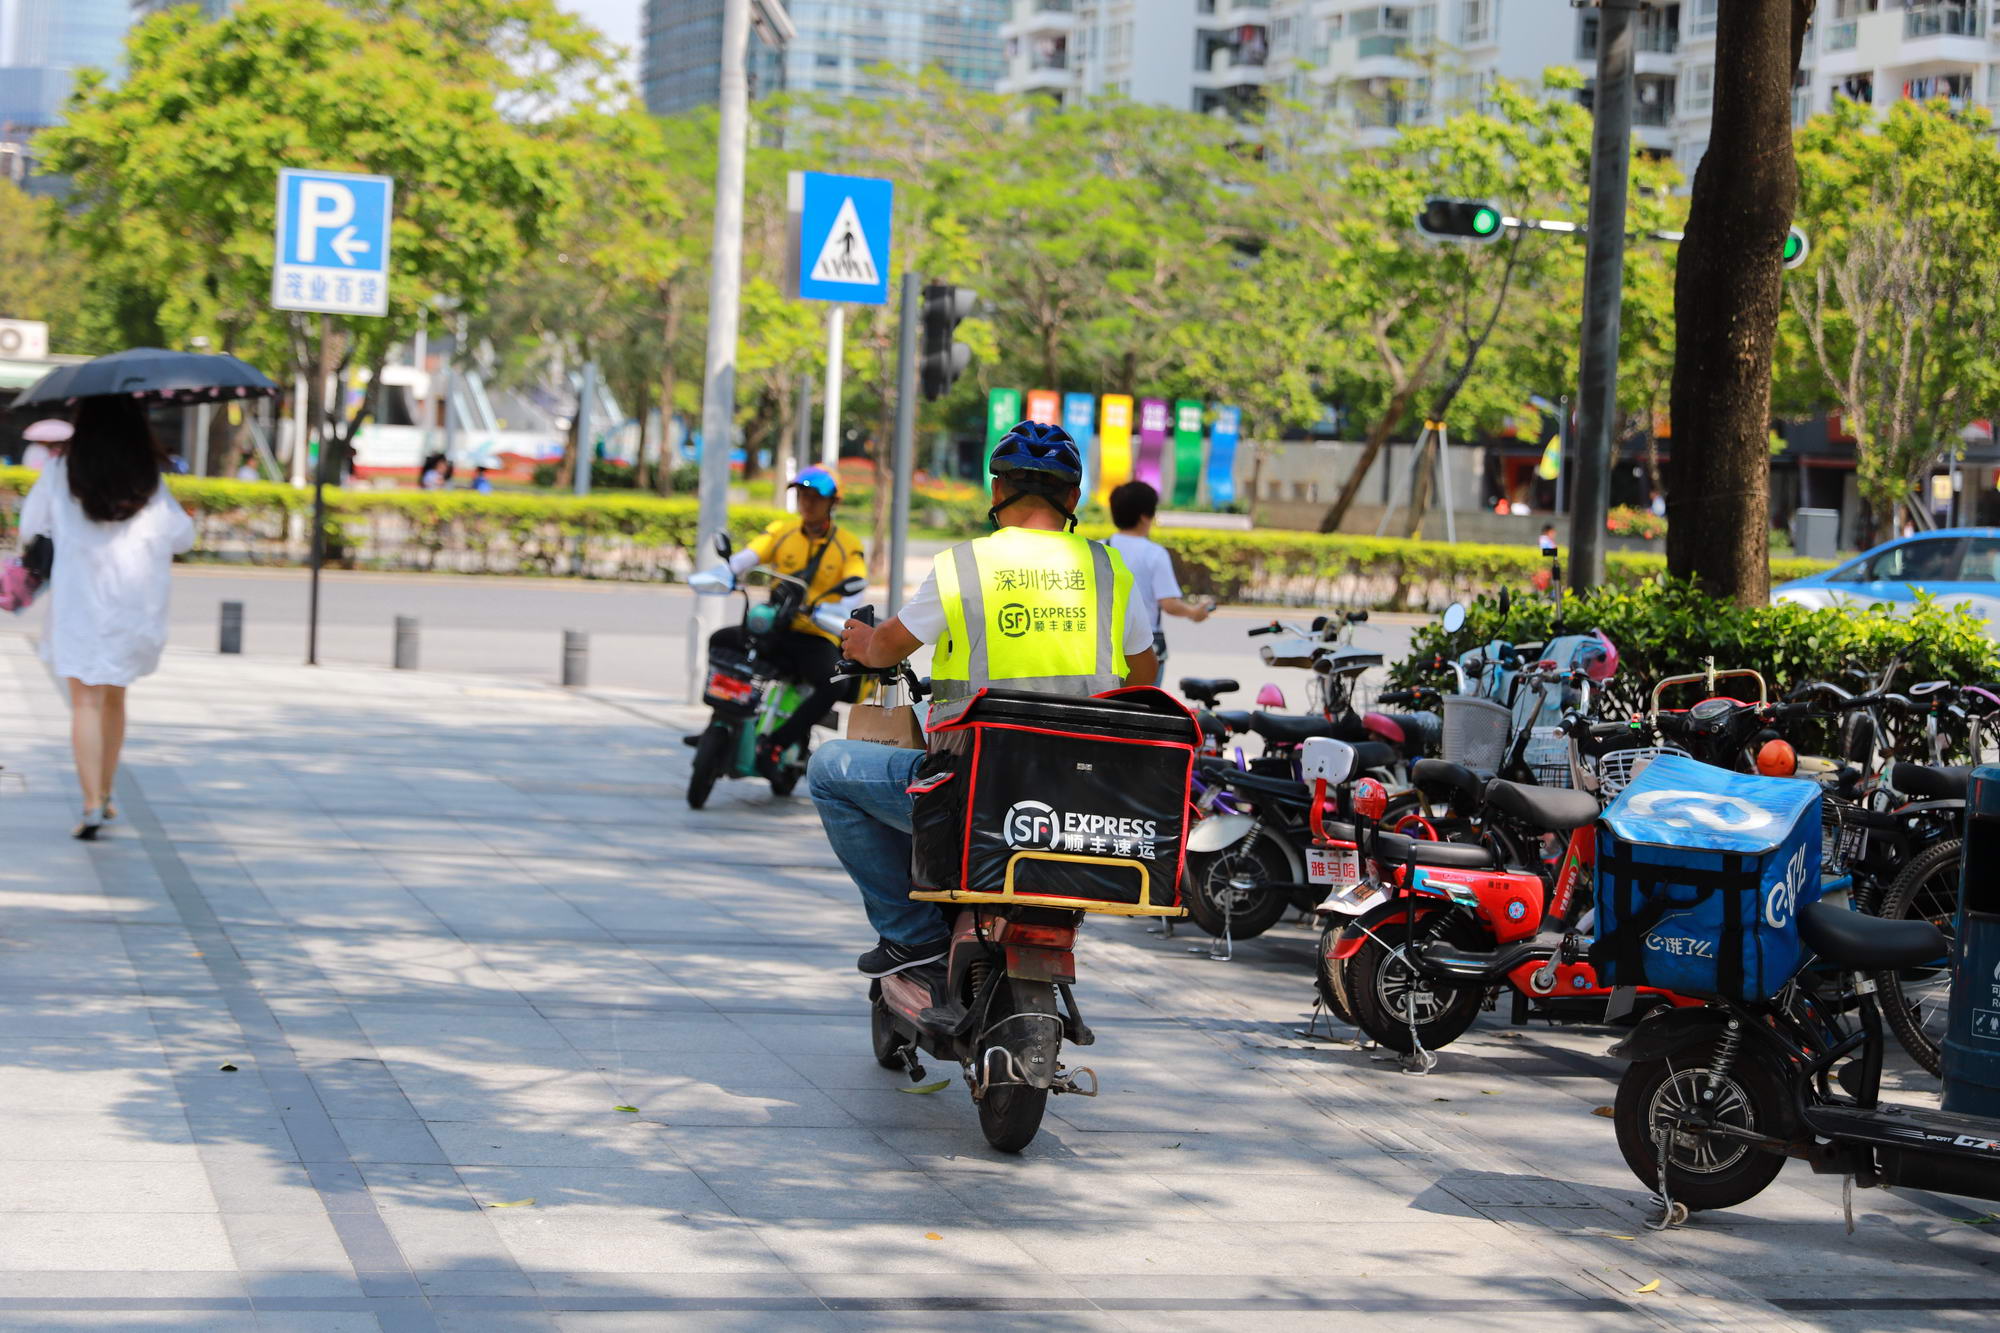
{"x":1882,"y":51}
{"x":840,"y":48}
{"x":1374,"y":67}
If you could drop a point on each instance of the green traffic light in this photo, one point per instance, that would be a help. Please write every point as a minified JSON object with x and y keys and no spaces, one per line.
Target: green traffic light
{"x":1792,"y":246}
{"x":1485,"y":222}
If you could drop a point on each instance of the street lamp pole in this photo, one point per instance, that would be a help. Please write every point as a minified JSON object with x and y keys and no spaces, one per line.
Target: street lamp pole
{"x":718,"y":397}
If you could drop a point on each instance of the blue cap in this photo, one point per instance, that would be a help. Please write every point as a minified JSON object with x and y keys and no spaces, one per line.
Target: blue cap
{"x":819,"y":481}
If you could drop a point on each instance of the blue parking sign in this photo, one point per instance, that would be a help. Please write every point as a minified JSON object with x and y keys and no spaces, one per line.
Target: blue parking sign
{"x":333,"y":242}
{"x":843,"y":236}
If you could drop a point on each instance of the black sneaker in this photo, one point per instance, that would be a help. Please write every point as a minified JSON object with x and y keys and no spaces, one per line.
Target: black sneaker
{"x":886,"y":959}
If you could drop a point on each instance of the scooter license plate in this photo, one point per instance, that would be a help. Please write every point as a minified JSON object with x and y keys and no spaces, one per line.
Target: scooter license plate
{"x":1333,"y":865}
{"x":722,"y":685}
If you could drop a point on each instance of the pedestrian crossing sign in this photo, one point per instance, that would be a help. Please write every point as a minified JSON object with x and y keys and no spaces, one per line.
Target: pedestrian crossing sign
{"x":841,"y":226}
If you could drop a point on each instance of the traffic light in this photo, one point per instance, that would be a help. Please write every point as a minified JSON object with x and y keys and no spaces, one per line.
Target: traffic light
{"x":944,"y":358}
{"x":1797,"y":247}
{"x":1461,"y":220}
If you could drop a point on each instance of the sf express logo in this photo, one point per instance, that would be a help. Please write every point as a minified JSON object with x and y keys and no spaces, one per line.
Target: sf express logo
{"x":1037,"y":826}
{"x":1014,"y":622}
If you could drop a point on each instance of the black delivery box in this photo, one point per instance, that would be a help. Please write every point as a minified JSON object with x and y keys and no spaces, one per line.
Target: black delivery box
{"x":1056,"y":801}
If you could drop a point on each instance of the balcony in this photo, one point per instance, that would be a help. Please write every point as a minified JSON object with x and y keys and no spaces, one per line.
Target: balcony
{"x":1842,"y":36}
{"x":1039,"y":17}
{"x":1955,"y":33}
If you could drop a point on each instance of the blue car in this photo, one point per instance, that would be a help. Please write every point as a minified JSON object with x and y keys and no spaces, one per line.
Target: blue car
{"x":1958,"y":566}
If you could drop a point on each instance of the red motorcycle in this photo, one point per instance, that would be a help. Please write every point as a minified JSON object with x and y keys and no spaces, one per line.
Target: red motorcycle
{"x":1429,"y":933}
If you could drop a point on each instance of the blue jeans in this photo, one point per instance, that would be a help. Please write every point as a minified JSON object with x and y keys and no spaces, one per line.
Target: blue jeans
{"x":859,"y":788}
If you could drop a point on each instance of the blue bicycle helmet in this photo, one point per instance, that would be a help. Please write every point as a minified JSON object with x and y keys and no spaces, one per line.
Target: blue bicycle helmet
{"x":1035,"y":446}
{"x":819,"y":481}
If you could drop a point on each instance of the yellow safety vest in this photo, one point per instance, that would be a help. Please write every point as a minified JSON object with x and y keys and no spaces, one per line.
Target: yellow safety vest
{"x":1027,"y":609}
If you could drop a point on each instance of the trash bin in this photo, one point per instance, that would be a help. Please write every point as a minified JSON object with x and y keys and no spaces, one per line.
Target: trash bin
{"x":1816,"y":533}
{"x":1972,"y":1036}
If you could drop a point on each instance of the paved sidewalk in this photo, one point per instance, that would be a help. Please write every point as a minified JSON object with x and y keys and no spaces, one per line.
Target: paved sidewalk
{"x":331,"y":1034}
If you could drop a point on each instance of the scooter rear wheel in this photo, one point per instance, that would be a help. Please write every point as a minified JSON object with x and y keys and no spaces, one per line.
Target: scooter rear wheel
{"x":707,"y":767}
{"x":1217,"y":903}
{"x":889,"y":1043}
{"x":1010,"y":1114}
{"x":1703,"y":1171}
{"x":1328,"y":976}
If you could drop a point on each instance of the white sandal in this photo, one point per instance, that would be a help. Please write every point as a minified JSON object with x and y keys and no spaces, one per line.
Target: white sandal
{"x":87,"y":824}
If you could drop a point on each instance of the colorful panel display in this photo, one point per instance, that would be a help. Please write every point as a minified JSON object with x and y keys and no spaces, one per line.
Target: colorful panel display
{"x":1222,"y":456}
{"x":1114,"y":453}
{"x":1153,"y":426}
{"x":1187,"y":452}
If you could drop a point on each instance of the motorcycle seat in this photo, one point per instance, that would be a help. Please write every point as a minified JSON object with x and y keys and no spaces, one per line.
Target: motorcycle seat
{"x":1414,"y":732}
{"x":1443,"y":773}
{"x":1944,"y":783}
{"x":1207,"y":689}
{"x":1236,"y":719}
{"x":1396,"y":849}
{"x":1288,"y":791}
{"x":1552,"y":809}
{"x":1211,"y":725}
{"x":1285,"y":729}
{"x":1855,"y":939}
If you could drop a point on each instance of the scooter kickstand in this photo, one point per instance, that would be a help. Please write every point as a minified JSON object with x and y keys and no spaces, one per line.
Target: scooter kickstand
{"x":911,"y":1065}
{"x":1066,"y":1081}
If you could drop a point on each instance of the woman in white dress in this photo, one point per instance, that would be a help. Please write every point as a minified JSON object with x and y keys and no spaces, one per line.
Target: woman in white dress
{"x":116,"y":530}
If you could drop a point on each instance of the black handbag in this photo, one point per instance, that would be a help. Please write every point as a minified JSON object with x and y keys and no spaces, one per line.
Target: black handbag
{"x":39,"y":558}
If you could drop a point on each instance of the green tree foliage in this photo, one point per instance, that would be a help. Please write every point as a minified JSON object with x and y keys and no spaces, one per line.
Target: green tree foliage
{"x":39,"y":275}
{"x":175,"y":168}
{"x":1894,"y":314}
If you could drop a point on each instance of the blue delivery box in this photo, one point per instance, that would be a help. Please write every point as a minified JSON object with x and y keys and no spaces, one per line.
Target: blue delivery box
{"x":1700,"y":876}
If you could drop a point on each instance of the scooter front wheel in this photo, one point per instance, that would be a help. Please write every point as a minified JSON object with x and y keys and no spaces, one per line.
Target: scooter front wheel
{"x":1703,"y":1170}
{"x":1389,"y":996}
{"x":1329,"y":974}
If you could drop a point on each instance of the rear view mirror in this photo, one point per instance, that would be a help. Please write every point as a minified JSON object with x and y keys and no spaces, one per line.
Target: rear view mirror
{"x":1506,"y":601}
{"x":1454,"y":618}
{"x":723,"y":546}
{"x":1324,"y":759}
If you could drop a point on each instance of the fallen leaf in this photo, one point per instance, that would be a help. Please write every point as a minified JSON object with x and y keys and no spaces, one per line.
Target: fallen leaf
{"x":1624,"y":1237}
{"x":633,"y":1110}
{"x":938,"y":1086}
{"x":227,"y":1069}
{"x":932,"y":1235}
{"x":1984,"y":1219}
{"x":1488,"y":1092}
{"x":517,"y":1203}
{"x":1440,"y":1099}
{"x":1652,"y":1286}
{"x":1604,"y":1111}
{"x":1173,"y":1145}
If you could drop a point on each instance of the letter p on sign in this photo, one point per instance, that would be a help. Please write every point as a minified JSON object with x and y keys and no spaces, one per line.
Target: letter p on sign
{"x":324,"y":205}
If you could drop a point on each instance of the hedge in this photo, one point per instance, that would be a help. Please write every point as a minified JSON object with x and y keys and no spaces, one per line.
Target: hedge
{"x":1669,"y":627}
{"x":636,"y":535}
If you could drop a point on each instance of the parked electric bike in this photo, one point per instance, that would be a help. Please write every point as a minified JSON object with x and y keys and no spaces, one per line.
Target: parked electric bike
{"x":1717,"y":1097}
{"x":748,"y":697}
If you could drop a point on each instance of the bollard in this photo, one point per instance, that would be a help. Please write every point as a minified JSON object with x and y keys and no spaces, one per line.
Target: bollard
{"x":576,"y":658}
{"x":406,"y":643}
{"x":1972,"y":1028}
{"x":232,"y":628}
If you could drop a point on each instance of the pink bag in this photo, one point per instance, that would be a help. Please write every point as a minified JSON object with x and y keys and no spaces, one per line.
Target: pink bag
{"x":17,"y":586}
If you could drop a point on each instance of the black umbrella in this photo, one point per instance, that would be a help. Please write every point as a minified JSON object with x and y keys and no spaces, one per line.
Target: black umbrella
{"x":152,"y":373}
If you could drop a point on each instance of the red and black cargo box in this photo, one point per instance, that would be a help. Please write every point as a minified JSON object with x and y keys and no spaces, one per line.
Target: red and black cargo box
{"x":1055,"y":801}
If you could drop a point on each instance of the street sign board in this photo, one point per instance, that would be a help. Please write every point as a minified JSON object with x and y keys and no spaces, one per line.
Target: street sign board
{"x":333,"y":242}
{"x":843,"y":236}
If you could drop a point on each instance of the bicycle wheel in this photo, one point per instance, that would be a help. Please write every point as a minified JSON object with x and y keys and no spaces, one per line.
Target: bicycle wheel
{"x":1232,"y":889}
{"x":1917,"y":1000}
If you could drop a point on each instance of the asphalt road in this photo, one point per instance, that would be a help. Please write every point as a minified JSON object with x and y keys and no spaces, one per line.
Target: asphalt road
{"x":638,"y":632}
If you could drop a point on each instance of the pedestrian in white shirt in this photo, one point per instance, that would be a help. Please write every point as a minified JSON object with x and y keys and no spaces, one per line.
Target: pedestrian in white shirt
{"x":1134,"y":506}
{"x":116,"y":530}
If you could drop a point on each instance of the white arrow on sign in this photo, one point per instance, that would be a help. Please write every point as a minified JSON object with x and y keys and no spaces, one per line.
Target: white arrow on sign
{"x":347,"y":245}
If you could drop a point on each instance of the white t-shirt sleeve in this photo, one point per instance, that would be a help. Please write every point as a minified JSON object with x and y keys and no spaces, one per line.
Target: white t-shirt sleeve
{"x":1165,"y":585}
{"x":923,"y":615}
{"x":1138,"y":628}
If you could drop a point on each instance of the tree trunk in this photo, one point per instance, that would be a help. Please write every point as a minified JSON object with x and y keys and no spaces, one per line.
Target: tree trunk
{"x":1727,"y":292}
{"x":1420,"y":483}
{"x":670,"y":327}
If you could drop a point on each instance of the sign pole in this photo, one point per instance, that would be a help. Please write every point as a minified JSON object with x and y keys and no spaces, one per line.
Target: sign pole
{"x":902,"y":459}
{"x":829,"y":439}
{"x":319,"y":489}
